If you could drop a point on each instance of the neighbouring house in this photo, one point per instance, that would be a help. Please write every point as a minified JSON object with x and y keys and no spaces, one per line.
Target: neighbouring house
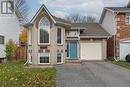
{"x":55,"y":41}
{"x":9,"y":24}
{"x":116,"y":21}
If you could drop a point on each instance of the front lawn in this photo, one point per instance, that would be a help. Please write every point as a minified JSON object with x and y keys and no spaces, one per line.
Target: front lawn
{"x":122,"y":64}
{"x":16,"y":75}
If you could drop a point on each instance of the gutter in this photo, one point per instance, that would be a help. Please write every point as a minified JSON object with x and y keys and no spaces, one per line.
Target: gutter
{"x":94,"y":36}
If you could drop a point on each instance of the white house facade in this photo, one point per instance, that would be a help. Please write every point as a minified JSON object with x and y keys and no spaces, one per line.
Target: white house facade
{"x":9,"y":25}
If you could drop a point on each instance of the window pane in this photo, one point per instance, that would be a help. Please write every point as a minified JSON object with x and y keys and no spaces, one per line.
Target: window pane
{"x":44,"y":23}
{"x":44,"y":36}
{"x":30,"y":36}
{"x":59,"y":36}
{"x":4,"y":8}
{"x":67,"y":49}
{"x":44,"y":59}
{"x":10,"y":7}
{"x":1,"y":39}
{"x":59,"y":58}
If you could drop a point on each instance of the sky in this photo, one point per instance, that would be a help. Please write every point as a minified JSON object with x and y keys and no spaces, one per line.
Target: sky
{"x":62,"y":8}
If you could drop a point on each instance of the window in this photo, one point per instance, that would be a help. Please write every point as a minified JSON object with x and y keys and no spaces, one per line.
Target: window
{"x":59,"y":36}
{"x":44,"y":58}
{"x":30,"y":58}
{"x":1,"y":39}
{"x":127,"y":19}
{"x":7,"y":7}
{"x":30,"y":36}
{"x":44,"y":31}
{"x":68,"y":47}
{"x":59,"y":58}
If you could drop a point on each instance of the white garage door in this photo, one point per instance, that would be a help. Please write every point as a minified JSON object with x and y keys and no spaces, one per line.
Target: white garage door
{"x":91,"y":51}
{"x":124,"y":50}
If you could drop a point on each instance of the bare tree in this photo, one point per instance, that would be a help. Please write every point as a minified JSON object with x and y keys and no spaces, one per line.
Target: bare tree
{"x":22,"y":6}
{"x":77,"y":18}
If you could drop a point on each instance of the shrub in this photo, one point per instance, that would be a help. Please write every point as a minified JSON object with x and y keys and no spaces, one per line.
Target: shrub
{"x":11,"y":49}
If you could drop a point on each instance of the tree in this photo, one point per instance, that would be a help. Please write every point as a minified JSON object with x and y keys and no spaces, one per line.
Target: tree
{"x":24,"y":36}
{"x":11,"y":49}
{"x":22,"y":6}
{"x":77,"y":18}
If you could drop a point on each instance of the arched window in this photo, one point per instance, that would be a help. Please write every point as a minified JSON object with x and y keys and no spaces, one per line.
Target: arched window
{"x":44,"y":31}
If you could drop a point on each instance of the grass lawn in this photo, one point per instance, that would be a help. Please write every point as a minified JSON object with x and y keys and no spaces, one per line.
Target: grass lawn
{"x":16,"y":75}
{"x":123,"y":64}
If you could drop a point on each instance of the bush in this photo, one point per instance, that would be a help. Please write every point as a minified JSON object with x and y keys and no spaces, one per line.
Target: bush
{"x":11,"y":49}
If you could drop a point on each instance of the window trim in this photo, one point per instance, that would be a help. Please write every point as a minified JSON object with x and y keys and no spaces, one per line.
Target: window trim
{"x":126,"y":16}
{"x":30,"y":36}
{"x":29,"y":55}
{"x":62,"y":36}
{"x":39,"y":32}
{"x":43,"y":55}
{"x":68,"y":43}
{"x":61,"y":58}
{"x":6,"y":8}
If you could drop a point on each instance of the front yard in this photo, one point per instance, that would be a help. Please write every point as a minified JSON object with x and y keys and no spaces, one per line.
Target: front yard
{"x":16,"y":75}
{"x":122,"y":64}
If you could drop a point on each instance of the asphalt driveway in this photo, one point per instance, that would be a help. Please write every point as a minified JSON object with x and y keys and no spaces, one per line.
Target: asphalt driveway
{"x":92,"y":74}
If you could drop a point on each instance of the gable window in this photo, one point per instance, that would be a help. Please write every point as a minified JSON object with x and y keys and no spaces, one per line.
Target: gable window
{"x":7,"y":7}
{"x":59,"y":36}
{"x":44,"y":58}
{"x":127,"y":20}
{"x":1,"y":39}
{"x":44,"y":31}
{"x":59,"y":58}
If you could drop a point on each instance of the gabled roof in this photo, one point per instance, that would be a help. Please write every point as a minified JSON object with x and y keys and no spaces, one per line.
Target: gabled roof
{"x":113,"y":10}
{"x":118,"y":9}
{"x":41,"y":8}
{"x":54,"y":19}
{"x":93,"y":30}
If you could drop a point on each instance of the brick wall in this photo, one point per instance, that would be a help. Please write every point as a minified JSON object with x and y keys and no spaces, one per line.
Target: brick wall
{"x":123,"y":32}
{"x":110,"y":48}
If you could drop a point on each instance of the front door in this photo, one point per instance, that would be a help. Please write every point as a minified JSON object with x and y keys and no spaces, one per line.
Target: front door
{"x":73,"y":50}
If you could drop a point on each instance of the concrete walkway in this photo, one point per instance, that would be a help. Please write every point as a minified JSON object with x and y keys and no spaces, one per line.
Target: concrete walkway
{"x":92,"y":74}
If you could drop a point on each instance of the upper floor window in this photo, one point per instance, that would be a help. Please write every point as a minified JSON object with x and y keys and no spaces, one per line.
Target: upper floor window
{"x":1,"y":39}
{"x":44,"y":31}
{"x":127,"y":20}
{"x":7,"y":7}
{"x":30,"y":36}
{"x":59,"y":36}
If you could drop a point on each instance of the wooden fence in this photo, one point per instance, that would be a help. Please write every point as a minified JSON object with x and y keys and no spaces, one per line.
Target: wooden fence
{"x":21,"y":53}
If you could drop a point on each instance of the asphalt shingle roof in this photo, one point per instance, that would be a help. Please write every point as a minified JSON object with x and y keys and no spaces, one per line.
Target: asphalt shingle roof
{"x":92,"y":29}
{"x":60,"y":19}
{"x":119,"y":9}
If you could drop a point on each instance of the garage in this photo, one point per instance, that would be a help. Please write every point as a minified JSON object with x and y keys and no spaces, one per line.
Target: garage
{"x":124,"y":50}
{"x":91,"y":51}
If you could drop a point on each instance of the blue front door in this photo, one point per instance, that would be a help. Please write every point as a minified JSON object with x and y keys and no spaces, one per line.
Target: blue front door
{"x":73,"y":50}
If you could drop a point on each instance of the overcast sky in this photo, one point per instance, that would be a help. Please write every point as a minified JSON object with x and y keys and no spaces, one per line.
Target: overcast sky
{"x":62,"y":8}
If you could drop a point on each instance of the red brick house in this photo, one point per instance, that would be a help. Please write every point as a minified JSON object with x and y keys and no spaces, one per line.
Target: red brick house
{"x":116,"y":20}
